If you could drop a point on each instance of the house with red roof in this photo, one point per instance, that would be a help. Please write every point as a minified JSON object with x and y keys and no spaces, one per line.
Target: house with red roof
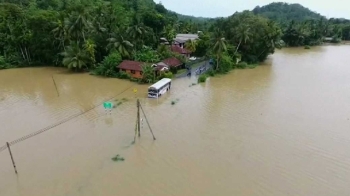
{"x":172,"y":62}
{"x":180,"y":50}
{"x":134,"y":68}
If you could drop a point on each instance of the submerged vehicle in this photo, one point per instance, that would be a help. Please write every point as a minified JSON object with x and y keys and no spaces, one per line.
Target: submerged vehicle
{"x":159,"y":88}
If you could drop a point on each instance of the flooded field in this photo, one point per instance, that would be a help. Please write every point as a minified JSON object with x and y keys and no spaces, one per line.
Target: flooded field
{"x":279,"y":129}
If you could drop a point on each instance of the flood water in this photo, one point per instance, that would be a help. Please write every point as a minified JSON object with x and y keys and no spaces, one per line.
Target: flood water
{"x":279,"y":129}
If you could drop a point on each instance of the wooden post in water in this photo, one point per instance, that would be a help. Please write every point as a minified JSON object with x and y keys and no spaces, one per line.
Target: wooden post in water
{"x":13,"y":162}
{"x":54,"y":82}
{"x":138,"y":117}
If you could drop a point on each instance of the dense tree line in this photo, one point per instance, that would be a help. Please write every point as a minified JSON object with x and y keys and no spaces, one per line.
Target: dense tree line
{"x":80,"y":33}
{"x":301,"y":26}
{"x":97,"y":35}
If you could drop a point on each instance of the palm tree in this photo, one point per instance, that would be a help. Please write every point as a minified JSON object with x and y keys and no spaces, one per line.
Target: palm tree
{"x":219,"y":47}
{"x":164,"y":51}
{"x":148,"y":74}
{"x":120,"y":44}
{"x":89,"y":47}
{"x":243,"y":34}
{"x":60,"y":32}
{"x":191,"y":45}
{"x":137,"y":33}
{"x":74,"y":57}
{"x":78,"y":23}
{"x":169,"y":34}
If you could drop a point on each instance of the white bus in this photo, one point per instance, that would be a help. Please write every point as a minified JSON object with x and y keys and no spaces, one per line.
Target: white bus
{"x":159,"y":88}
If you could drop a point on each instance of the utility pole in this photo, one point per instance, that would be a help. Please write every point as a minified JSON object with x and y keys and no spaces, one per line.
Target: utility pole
{"x":13,"y":162}
{"x":138,"y":123}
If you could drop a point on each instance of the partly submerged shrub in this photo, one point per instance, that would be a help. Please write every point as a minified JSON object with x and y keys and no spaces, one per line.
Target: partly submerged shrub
{"x":202,"y":78}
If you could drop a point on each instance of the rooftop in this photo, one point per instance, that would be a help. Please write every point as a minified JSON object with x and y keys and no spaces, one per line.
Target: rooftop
{"x":179,"y":50}
{"x":187,"y":36}
{"x":160,"y":83}
{"x":172,"y":62}
{"x":131,"y":65}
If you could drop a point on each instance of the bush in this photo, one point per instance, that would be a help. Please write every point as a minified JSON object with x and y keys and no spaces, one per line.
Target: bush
{"x":242,"y":65}
{"x":226,"y":64}
{"x":211,"y":72}
{"x":173,"y":70}
{"x":167,"y":74}
{"x":148,"y":75}
{"x":335,"y":40}
{"x":307,"y":47}
{"x":146,"y":54}
{"x":252,"y":66}
{"x":108,"y":67}
{"x":202,"y":78}
{"x":134,"y":80}
{"x":4,"y":64}
{"x":123,"y":75}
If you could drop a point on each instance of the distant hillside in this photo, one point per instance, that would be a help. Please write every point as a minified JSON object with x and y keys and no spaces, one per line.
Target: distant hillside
{"x":284,"y":12}
{"x":192,"y":18}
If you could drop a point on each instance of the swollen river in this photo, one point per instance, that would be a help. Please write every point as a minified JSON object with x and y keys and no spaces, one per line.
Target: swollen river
{"x":279,"y":129}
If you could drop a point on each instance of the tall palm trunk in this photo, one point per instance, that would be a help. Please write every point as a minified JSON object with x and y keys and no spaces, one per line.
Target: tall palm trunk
{"x":238,"y":46}
{"x":217,"y":62}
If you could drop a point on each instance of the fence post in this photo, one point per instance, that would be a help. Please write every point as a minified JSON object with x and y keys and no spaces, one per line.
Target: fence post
{"x":138,"y":118}
{"x":13,"y":162}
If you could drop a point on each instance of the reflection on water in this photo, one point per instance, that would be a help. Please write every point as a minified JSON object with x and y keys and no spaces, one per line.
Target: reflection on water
{"x":279,"y":129}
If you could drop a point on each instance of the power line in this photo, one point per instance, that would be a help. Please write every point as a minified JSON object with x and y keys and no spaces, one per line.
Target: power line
{"x":58,"y":123}
{"x":2,"y":148}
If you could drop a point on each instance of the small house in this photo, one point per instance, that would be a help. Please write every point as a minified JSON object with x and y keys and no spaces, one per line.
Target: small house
{"x":180,"y":50}
{"x":134,"y":68}
{"x":181,"y":39}
{"x":172,"y":62}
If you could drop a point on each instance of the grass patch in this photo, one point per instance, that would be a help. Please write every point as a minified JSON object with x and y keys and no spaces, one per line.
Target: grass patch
{"x":252,"y":66}
{"x":244,"y":65}
{"x":202,"y":78}
{"x":181,"y":71}
{"x":118,"y":158}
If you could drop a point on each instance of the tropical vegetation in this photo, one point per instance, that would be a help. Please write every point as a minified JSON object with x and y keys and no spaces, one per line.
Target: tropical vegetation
{"x":96,"y":35}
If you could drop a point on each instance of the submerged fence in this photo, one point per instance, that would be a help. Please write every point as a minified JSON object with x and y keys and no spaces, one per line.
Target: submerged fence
{"x":5,"y":146}
{"x":2,"y":148}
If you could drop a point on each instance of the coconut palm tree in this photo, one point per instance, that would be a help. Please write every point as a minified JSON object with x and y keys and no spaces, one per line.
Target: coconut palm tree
{"x":137,"y":32}
{"x":60,"y":32}
{"x":78,"y":23}
{"x":191,"y":45}
{"x":219,"y":47}
{"x":74,"y":57}
{"x":148,"y":74}
{"x":169,"y":34}
{"x":243,"y":34}
{"x":89,"y":47}
{"x":120,"y":44}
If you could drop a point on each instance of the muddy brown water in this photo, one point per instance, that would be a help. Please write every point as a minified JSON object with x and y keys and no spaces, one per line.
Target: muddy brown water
{"x":279,"y":129}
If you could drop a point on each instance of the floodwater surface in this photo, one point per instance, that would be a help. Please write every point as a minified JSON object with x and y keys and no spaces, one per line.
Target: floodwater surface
{"x":279,"y":129}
